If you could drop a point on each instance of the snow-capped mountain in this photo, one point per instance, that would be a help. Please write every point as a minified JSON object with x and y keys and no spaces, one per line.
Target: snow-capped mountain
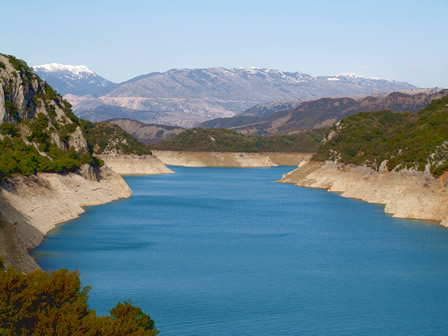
{"x":74,"y":79}
{"x":186,"y":97}
{"x":249,"y":85}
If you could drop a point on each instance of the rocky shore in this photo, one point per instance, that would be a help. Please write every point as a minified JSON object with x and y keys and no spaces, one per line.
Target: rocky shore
{"x":230,"y":159}
{"x":405,"y":194}
{"x":30,"y":206}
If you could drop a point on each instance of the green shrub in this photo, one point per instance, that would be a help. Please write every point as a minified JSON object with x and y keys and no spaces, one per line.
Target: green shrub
{"x":54,"y":303}
{"x":9,"y":129}
{"x":405,"y":140}
{"x":66,"y":130}
{"x":18,"y":64}
{"x":100,"y":135}
{"x":225,"y":140}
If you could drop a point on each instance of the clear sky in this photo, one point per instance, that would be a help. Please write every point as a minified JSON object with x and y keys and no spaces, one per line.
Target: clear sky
{"x":401,"y":40}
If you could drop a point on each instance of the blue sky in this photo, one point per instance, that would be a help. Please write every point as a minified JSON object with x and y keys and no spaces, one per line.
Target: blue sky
{"x":401,"y":40}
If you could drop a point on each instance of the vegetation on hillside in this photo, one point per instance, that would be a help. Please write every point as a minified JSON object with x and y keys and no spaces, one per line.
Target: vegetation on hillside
{"x":106,"y":138}
{"x":40,"y":303}
{"x":400,"y":140}
{"x":147,"y":133}
{"x":225,"y":140}
{"x":37,"y":141}
{"x":322,"y":112}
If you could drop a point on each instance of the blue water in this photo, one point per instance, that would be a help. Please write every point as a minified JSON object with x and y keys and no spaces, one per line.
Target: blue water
{"x":222,"y":251}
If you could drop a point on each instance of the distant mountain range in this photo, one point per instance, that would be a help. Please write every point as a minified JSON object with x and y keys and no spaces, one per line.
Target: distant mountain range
{"x":263,"y":110}
{"x":323,"y":112}
{"x":186,"y":97}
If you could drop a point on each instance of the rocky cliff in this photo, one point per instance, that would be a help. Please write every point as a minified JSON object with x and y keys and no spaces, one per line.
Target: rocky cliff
{"x":47,"y":171}
{"x":405,"y":194}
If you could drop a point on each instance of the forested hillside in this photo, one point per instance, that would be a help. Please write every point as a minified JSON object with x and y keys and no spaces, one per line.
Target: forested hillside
{"x":224,"y":140}
{"x":392,"y":141}
{"x":107,"y":138}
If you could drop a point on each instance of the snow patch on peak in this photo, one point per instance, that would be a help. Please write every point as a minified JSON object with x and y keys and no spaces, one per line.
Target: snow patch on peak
{"x":353,"y":75}
{"x":55,"y":67}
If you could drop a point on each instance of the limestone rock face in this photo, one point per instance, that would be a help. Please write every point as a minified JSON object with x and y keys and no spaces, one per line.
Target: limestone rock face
{"x":19,"y":91}
{"x":23,"y":96}
{"x":406,"y":194}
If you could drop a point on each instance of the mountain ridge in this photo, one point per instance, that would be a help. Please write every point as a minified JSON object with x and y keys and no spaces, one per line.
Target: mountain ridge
{"x":186,"y":97}
{"x":323,"y":112}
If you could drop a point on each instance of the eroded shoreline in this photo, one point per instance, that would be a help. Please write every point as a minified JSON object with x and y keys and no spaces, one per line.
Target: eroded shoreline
{"x":406,"y":194}
{"x":33,"y":205}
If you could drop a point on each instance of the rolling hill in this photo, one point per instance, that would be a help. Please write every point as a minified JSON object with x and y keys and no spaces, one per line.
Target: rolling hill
{"x":323,"y":112}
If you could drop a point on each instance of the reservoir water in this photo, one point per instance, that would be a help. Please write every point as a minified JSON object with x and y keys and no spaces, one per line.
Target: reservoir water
{"x":224,"y":251}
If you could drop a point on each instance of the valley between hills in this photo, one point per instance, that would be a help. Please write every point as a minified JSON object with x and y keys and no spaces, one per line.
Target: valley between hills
{"x":390,"y":149}
{"x":42,"y":139}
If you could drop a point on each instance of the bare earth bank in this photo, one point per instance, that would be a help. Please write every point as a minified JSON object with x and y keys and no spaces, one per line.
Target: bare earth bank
{"x":406,"y":194}
{"x":130,"y":164}
{"x":30,"y":206}
{"x":228,"y":159}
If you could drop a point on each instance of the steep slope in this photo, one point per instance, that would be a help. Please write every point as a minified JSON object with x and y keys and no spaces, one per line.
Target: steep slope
{"x":39,"y":132}
{"x":324,"y":112}
{"x":78,"y":80}
{"x":47,"y":171}
{"x":147,"y":133}
{"x":185,"y":97}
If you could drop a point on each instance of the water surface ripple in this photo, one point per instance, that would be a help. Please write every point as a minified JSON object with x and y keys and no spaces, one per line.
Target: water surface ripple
{"x":222,"y":251}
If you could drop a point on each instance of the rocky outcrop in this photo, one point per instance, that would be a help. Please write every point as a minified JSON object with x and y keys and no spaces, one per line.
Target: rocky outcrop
{"x":30,"y":206}
{"x":406,"y":194}
{"x":41,"y":134}
{"x":229,"y":159}
{"x":135,"y":164}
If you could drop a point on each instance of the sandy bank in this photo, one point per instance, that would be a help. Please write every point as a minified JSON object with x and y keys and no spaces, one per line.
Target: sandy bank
{"x":124,"y":164}
{"x":30,"y":206}
{"x":219,"y":159}
{"x":405,"y":194}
